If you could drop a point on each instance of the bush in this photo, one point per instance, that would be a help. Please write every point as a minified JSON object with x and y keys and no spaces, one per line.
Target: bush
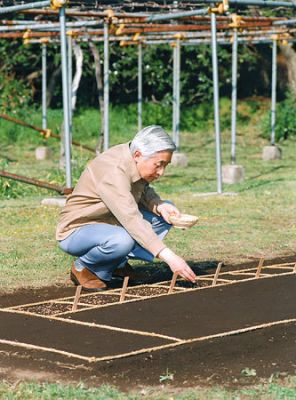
{"x":285,"y":120}
{"x":15,"y":95}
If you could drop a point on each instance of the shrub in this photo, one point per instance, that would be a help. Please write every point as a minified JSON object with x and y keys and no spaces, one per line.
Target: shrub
{"x":285,"y":119}
{"x":15,"y":95}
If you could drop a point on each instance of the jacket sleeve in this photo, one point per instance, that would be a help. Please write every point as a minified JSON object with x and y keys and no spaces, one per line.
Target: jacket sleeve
{"x":114,"y":188}
{"x":150,"y":199}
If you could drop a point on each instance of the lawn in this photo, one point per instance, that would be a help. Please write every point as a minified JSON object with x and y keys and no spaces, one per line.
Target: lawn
{"x":275,"y":389}
{"x":248,"y":221}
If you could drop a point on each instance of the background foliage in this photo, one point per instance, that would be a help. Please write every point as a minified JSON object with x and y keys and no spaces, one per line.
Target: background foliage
{"x":20,"y":69}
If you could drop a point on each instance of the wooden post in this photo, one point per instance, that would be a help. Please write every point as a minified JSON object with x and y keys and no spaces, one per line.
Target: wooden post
{"x":173,"y":282}
{"x":124,"y":288}
{"x":261,"y":261}
{"x":217,"y":273}
{"x":77,"y":297}
{"x":294,"y":269}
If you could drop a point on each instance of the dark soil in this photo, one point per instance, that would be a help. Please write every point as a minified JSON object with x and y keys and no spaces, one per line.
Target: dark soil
{"x":78,"y":339}
{"x":147,"y":291}
{"x":100,"y":299}
{"x":204,"y":283}
{"x":48,"y":308}
{"x":34,"y":295}
{"x":274,"y":271}
{"x":218,"y":361}
{"x":239,"y":277}
{"x":185,"y":315}
{"x":197,"y":313}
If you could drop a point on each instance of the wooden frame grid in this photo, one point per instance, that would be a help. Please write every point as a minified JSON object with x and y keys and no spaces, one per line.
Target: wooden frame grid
{"x":211,"y":279}
{"x":173,"y":341}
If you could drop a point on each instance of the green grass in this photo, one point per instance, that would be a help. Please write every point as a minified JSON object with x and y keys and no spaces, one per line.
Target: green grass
{"x":278,"y":390}
{"x":256,"y":221}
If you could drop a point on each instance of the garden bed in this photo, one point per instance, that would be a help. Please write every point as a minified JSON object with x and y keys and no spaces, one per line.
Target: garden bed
{"x":196,"y":333}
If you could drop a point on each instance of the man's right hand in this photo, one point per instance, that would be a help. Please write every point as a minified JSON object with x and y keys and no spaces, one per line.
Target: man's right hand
{"x":177,"y":264}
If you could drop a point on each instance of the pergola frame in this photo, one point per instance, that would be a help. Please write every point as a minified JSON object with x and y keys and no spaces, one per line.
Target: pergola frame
{"x":161,"y":25}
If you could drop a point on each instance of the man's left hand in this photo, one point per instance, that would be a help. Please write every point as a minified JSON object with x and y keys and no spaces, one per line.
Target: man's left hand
{"x":167,"y":209}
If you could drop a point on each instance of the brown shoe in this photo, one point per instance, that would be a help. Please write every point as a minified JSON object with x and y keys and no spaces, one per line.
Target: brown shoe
{"x":87,"y":280}
{"x":127,"y":270}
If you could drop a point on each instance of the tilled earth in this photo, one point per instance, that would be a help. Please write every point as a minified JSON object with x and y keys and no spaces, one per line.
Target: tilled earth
{"x":232,"y":334}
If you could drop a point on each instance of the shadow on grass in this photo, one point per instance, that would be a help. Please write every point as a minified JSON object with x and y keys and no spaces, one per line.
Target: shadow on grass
{"x":272,"y":170}
{"x":257,"y":184}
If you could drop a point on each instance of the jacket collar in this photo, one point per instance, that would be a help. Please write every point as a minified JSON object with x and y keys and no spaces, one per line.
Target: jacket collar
{"x":134,"y":173}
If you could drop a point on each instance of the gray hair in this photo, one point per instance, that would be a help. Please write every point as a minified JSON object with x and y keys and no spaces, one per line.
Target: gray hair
{"x":151,"y":140}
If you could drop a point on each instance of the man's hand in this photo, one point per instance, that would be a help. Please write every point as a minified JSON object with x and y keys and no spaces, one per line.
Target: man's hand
{"x":177,"y":264}
{"x":167,"y":209}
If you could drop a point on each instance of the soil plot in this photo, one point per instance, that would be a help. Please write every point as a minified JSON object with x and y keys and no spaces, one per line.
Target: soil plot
{"x":75,"y":340}
{"x":168,"y":320}
{"x":206,"y":312}
{"x":173,"y":328}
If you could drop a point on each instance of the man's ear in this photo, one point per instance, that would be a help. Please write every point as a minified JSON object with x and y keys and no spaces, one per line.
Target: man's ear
{"x":137,"y":155}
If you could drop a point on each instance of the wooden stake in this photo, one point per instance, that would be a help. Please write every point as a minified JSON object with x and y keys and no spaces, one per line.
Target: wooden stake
{"x":261,"y":261}
{"x":77,"y":297}
{"x":173,"y":282}
{"x":217,"y":273}
{"x":124,"y":288}
{"x":294,"y":269}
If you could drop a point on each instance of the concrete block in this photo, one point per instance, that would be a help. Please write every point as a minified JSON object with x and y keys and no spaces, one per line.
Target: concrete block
{"x":43,"y":153}
{"x":233,"y":173}
{"x":179,"y":160}
{"x":271,"y":153}
{"x":54,"y":201}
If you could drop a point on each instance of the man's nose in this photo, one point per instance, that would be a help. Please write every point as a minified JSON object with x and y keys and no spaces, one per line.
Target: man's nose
{"x":160,"y":171}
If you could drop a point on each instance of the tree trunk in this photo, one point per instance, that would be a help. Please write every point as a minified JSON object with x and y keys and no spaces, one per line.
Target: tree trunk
{"x":78,"y":73}
{"x":99,"y":80}
{"x":52,"y":84}
{"x":290,"y":55}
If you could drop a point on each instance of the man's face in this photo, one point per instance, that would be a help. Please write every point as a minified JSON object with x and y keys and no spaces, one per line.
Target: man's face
{"x":152,"y":168}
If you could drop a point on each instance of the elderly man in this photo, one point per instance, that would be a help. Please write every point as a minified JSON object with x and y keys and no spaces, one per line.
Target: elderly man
{"x":114,"y":215}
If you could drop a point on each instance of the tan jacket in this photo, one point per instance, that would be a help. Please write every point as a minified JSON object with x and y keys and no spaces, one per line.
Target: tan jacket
{"x":111,"y":190}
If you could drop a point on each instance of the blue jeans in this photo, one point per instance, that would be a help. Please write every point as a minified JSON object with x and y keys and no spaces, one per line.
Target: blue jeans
{"x":101,"y":248}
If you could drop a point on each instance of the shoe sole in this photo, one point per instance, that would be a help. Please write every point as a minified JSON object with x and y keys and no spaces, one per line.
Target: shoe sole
{"x":77,"y":283}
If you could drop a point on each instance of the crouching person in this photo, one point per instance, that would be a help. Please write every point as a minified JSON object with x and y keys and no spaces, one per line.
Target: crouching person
{"x":113,"y":215}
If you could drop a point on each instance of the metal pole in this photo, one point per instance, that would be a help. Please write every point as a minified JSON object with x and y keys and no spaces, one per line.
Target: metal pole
{"x":62,"y":17}
{"x":47,"y":26}
{"x":273,"y":91}
{"x":188,"y":42}
{"x":177,"y":120}
{"x":163,"y":17}
{"x":106,"y":86}
{"x":234,"y":97}
{"x":263,"y":3}
{"x":174,"y":89}
{"x":140,"y":85}
{"x":70,"y":81}
{"x":38,"y":4}
{"x":44,"y":79}
{"x":216,"y":102}
{"x":286,"y":22}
